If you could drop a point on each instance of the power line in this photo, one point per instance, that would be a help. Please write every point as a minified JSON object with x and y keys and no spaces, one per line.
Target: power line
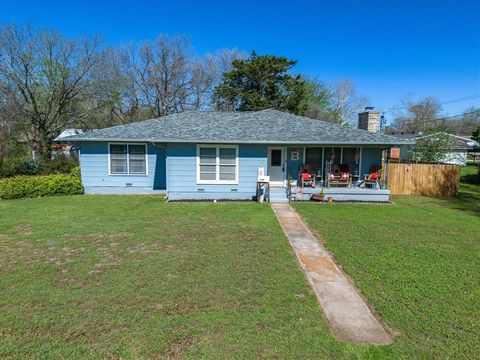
{"x":465,"y":98}
{"x":436,"y":120}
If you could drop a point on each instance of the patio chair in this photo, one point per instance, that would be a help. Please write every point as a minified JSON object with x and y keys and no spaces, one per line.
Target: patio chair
{"x":306,"y":177}
{"x":340,"y":176}
{"x":372,"y":179}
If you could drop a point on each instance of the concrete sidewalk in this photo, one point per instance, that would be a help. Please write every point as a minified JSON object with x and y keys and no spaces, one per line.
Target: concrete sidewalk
{"x":348,"y":314}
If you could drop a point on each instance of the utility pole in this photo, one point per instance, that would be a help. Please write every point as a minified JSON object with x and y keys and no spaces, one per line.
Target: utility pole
{"x":382,"y":123}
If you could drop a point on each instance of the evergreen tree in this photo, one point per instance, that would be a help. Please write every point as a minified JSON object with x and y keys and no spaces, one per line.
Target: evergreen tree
{"x":261,"y":82}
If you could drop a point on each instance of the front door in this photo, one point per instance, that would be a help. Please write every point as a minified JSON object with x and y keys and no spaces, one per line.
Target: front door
{"x":276,"y":165}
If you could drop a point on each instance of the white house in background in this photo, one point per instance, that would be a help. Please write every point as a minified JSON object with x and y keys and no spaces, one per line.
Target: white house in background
{"x":60,"y":147}
{"x":458,"y":156}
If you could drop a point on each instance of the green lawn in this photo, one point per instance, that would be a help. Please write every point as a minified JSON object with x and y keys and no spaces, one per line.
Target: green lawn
{"x":134,"y":277}
{"x":417,"y":262}
{"x":131,"y":277}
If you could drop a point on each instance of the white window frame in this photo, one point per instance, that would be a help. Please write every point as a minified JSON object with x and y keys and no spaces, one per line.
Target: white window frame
{"x":217,"y":165}
{"x":128,"y":159}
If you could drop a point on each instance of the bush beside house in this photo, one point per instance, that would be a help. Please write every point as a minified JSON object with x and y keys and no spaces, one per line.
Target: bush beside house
{"x":20,"y":162}
{"x":37,"y":186}
{"x":61,"y":164}
{"x":19,"y":166}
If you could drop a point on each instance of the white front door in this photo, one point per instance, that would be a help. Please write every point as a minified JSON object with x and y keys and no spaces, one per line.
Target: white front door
{"x":277,"y":165}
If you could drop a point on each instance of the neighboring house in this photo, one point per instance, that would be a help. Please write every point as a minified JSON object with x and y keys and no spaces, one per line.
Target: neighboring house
{"x":62,"y":148}
{"x":217,"y":155}
{"x":458,"y":156}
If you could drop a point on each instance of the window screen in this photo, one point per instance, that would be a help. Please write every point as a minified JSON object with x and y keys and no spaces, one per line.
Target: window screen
{"x":217,"y":164}
{"x":128,"y":159}
{"x":118,"y":159}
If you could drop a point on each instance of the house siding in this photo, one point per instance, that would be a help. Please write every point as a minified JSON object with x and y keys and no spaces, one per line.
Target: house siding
{"x":370,"y":157}
{"x":181,"y":167}
{"x":96,"y":179}
{"x":293,"y":166}
{"x":172,"y":168}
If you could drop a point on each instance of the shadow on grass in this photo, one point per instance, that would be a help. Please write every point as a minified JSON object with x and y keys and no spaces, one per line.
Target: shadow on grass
{"x":467,"y":200}
{"x":473,"y":179}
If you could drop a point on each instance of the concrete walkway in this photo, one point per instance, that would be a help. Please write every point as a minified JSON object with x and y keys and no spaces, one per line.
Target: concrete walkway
{"x":348,"y":314}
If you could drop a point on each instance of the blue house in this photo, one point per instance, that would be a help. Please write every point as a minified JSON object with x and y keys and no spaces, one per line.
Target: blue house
{"x":217,"y":155}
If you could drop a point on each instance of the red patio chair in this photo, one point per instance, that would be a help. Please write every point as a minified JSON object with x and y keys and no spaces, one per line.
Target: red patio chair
{"x":306,"y":178}
{"x":340,"y":175}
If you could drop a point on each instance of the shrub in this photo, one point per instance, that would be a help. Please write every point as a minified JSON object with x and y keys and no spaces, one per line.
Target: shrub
{"x":19,"y":166}
{"x":433,"y":147}
{"x":61,"y":164}
{"x":75,"y":172}
{"x":35,"y":186}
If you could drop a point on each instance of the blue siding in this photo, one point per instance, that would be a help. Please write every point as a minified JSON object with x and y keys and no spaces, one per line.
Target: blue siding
{"x":182,"y":174}
{"x":173,"y":168}
{"x":96,"y":180}
{"x":370,"y":157}
{"x":293,"y":166}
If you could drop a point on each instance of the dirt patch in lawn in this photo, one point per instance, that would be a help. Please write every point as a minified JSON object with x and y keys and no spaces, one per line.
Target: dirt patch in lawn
{"x":22,"y":229}
{"x":4,"y":237}
{"x":177,"y":350}
{"x":100,"y":237}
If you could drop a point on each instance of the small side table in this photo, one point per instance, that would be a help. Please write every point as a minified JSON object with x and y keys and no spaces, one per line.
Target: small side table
{"x":355,"y":179}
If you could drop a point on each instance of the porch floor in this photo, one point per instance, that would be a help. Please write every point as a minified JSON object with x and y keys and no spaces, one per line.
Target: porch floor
{"x":343,"y":193}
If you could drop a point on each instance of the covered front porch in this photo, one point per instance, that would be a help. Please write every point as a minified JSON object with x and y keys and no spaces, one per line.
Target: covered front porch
{"x":334,"y":171}
{"x":287,"y":163}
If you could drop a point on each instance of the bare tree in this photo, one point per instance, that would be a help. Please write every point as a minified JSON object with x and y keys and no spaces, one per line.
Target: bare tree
{"x":158,"y":74}
{"x":207,"y":72}
{"x":113,"y":94}
{"x":10,"y":124}
{"x":50,"y":82}
{"x":164,"y":76}
{"x":418,"y":115}
{"x":337,"y":103}
{"x":345,"y":103}
{"x":224,"y":58}
{"x":48,"y":75}
{"x":463,"y":124}
{"x":204,"y":75}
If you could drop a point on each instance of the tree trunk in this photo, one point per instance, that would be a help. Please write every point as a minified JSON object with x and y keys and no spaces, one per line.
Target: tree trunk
{"x":42,"y":146}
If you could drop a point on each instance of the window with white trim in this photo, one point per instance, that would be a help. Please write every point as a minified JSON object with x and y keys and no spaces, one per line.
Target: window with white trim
{"x":217,"y":164}
{"x":128,"y":159}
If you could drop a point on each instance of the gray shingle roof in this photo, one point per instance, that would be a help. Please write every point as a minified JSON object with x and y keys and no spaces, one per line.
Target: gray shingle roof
{"x":266,"y":126}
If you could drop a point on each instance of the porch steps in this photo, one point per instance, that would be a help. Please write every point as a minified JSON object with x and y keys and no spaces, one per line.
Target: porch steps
{"x":278,"y":195}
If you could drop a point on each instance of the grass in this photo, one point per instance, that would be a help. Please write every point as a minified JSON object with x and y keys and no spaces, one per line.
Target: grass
{"x":133,"y":277}
{"x":417,"y":262}
{"x":86,"y":277}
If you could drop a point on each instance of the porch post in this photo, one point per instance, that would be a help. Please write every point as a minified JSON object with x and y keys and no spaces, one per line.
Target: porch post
{"x":360,"y":174}
{"x":323,"y":165}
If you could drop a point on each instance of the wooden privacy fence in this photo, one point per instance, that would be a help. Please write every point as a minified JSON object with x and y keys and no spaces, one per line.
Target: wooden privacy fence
{"x":423,"y":179}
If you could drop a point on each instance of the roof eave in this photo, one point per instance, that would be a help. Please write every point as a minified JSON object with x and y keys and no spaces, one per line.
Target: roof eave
{"x":269,"y":142}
